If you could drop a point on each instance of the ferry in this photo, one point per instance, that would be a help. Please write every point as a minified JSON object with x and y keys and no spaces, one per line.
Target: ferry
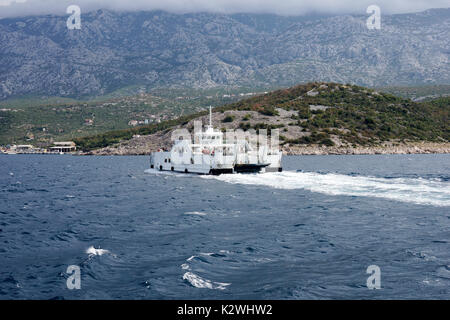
{"x":209,"y":154}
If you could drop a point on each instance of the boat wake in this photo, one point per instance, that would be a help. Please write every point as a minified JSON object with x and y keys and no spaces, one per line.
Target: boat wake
{"x":158,"y":172}
{"x":165,"y":173}
{"x":412,"y":190}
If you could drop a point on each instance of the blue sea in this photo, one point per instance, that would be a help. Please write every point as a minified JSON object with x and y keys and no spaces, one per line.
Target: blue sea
{"x":309,"y":232}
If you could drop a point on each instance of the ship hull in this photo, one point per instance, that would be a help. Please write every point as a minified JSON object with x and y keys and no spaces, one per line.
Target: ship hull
{"x":250,"y":168}
{"x":243,"y":168}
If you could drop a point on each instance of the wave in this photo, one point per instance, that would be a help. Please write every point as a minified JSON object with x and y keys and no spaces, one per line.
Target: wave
{"x":412,"y":190}
{"x":165,"y":173}
{"x":91,"y":251}
{"x":196,"y":280}
{"x":196,"y":213}
{"x":199,"y":282}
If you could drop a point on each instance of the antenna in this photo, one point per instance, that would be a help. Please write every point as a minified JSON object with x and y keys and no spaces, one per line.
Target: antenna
{"x":210,"y":116}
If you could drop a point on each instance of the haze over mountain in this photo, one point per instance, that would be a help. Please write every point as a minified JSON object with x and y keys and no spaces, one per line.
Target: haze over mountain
{"x":21,"y":8}
{"x":113,"y":50}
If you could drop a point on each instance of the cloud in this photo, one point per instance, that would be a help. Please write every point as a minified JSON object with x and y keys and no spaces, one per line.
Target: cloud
{"x":11,"y":8}
{"x":9,"y":2}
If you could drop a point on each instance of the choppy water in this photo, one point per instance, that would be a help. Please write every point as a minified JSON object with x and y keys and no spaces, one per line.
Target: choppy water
{"x":307,"y":233}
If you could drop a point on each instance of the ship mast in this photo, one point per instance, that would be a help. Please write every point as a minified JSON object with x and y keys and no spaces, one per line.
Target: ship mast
{"x":210,"y":117}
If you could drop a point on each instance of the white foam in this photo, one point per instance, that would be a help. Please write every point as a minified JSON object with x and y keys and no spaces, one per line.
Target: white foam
{"x":91,"y":251}
{"x":153,"y":171}
{"x":196,"y":213}
{"x":199,"y":282}
{"x":433,"y":282}
{"x":165,"y":173}
{"x":185,"y":266}
{"x":420,"y":191}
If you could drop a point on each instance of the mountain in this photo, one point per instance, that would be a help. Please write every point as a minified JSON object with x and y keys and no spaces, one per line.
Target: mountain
{"x":39,"y":56}
{"x":329,"y":115}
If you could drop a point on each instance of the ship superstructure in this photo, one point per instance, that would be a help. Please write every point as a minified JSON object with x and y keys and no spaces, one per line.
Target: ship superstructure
{"x":209,"y":153}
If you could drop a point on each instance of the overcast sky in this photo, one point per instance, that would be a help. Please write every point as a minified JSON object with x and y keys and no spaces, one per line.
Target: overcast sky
{"x":9,"y":8}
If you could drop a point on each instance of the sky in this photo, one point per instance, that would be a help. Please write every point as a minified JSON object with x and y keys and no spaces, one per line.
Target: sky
{"x":14,"y":8}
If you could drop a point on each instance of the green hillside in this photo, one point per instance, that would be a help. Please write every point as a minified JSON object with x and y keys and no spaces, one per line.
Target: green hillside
{"x":320,"y":113}
{"x":41,"y":120}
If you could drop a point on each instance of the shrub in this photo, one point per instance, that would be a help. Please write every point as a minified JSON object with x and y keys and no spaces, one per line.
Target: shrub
{"x":304,"y":113}
{"x":228,"y":119}
{"x":269,"y":111}
{"x":327,"y":142}
{"x":244,"y":126}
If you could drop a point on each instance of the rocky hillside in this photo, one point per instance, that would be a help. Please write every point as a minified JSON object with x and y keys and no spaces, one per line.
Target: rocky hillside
{"x":311,"y":118}
{"x":40,"y":56}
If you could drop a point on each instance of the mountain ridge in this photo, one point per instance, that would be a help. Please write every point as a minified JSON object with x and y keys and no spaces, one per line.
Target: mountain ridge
{"x":201,"y":50}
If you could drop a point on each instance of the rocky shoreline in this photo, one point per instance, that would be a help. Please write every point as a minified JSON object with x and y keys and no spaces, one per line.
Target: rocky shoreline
{"x":407,"y":148}
{"x":388,"y":148}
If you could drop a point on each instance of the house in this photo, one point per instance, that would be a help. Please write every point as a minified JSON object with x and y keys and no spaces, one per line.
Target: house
{"x":68,"y":146}
{"x":24,"y":148}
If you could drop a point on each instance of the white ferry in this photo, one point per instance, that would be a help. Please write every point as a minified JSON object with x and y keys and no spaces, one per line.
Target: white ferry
{"x":209,"y":154}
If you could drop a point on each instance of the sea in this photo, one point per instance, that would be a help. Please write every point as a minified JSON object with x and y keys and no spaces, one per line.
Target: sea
{"x":327,"y":227}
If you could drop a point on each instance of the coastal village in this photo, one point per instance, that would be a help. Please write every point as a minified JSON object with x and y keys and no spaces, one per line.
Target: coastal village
{"x":63,"y":147}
